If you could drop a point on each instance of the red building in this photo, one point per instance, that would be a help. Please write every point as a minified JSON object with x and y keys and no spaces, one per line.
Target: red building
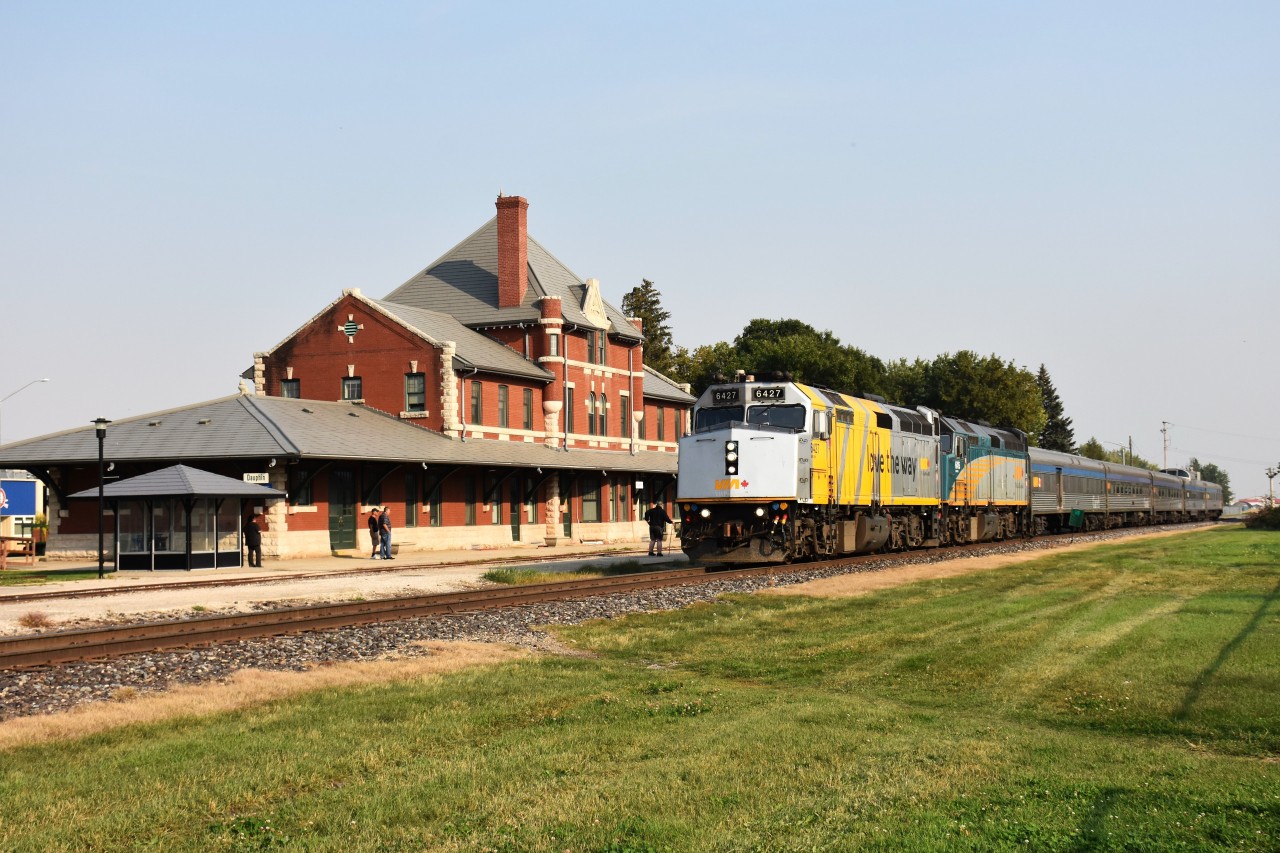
{"x":493,"y":398}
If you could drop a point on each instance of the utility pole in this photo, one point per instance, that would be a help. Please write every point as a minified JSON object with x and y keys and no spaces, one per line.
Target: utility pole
{"x":1164,"y":430}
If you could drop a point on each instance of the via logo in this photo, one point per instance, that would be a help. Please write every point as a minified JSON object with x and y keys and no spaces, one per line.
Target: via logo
{"x":729,"y":484}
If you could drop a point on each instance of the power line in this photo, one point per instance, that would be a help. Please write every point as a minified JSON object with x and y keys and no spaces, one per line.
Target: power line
{"x":1221,"y":432}
{"x":1219,"y":456}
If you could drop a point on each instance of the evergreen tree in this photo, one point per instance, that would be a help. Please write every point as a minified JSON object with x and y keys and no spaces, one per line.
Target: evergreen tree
{"x":645,"y":302}
{"x":1057,"y":433}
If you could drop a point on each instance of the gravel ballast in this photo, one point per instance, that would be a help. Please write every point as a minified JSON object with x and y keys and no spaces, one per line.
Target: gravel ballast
{"x":27,"y":693}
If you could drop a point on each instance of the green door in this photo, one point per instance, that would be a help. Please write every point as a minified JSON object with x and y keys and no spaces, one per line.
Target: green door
{"x":517,"y":499}
{"x":342,"y":509}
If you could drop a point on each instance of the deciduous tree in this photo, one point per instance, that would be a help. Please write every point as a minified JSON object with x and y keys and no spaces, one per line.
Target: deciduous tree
{"x":1213,"y":474}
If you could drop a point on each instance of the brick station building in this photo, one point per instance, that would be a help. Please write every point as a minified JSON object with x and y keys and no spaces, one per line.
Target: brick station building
{"x":494,"y":398}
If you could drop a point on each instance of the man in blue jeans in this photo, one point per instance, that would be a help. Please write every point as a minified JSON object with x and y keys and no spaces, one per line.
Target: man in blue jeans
{"x":384,"y":527}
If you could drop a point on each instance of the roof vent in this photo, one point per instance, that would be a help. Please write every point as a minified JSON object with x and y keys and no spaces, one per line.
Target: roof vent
{"x":354,"y":414}
{"x":204,"y":421}
{"x":308,"y":411}
{"x":153,"y":423}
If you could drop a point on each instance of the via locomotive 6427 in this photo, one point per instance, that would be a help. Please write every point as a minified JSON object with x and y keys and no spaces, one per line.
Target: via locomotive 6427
{"x":778,"y":471}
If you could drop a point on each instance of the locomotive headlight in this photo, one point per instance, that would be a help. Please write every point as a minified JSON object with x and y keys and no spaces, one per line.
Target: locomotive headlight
{"x":731,"y":457}
{"x":706,"y":513}
{"x":760,"y":512}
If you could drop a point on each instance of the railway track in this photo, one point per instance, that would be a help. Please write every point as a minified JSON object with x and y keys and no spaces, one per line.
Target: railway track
{"x":52,"y":649}
{"x":19,"y":598}
{"x":39,"y":650}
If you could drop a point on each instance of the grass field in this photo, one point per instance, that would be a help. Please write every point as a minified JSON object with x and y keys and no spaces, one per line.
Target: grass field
{"x":15,"y":576}
{"x":1123,"y":698}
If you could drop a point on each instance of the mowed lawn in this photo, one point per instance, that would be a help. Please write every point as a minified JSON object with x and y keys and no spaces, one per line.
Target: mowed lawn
{"x":1122,"y":698}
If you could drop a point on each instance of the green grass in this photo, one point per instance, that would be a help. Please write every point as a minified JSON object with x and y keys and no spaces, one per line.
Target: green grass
{"x":20,"y":577}
{"x":521,"y":577}
{"x":1123,"y":699}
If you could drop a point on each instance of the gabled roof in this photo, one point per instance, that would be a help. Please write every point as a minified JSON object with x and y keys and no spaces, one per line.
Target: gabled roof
{"x":464,"y":283}
{"x":181,"y":481}
{"x":659,"y":387}
{"x":244,"y":427}
{"x":473,"y":348}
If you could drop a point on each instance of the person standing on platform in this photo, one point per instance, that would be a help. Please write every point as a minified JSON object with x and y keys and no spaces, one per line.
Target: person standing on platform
{"x":658,"y":520}
{"x":375,"y":533}
{"x":253,"y":540}
{"x":384,"y":527}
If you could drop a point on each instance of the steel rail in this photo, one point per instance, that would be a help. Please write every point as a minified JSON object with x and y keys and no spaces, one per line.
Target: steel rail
{"x":37,"y":650}
{"x":18,"y":598}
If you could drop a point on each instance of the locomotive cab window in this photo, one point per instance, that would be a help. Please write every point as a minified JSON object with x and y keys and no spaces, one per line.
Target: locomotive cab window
{"x":709,"y":419}
{"x":787,"y":416}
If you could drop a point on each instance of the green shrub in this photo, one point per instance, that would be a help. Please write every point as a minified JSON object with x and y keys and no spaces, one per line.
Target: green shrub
{"x":1265,"y":520}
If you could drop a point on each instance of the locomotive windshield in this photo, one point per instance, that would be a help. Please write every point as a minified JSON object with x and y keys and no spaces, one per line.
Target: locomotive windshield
{"x":791,"y":416}
{"x":709,"y":419}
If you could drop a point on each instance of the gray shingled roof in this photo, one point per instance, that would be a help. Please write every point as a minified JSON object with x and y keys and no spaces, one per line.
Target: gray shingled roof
{"x":660,"y":387}
{"x":473,"y":348}
{"x":181,"y":481}
{"x":464,"y":284}
{"x":259,"y":427}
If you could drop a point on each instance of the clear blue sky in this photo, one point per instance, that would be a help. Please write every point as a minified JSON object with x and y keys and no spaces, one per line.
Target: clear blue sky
{"x":1094,"y":186}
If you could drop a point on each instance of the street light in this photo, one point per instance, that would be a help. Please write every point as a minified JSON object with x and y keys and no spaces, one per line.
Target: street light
{"x":20,"y":390}
{"x":1271,"y":477}
{"x":101,"y":432}
{"x":1123,"y":449}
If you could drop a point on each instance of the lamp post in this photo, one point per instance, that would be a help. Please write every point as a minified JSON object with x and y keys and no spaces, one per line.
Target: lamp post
{"x":1123,"y":449}
{"x":19,"y":391}
{"x":1271,"y":481}
{"x":100,"y":430}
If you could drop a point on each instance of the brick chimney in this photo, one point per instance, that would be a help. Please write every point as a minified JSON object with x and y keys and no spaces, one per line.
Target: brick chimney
{"x":513,"y":250}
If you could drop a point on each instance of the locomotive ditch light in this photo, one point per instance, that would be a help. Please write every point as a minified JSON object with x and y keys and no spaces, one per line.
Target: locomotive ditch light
{"x":760,"y":512}
{"x":706,"y":513}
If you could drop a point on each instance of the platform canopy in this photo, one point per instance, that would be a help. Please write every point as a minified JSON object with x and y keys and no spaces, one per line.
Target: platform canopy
{"x":166,"y":537}
{"x":181,"y":481}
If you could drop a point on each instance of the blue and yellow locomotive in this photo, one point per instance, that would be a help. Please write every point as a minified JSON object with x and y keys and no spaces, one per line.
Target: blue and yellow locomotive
{"x":777,"y":470}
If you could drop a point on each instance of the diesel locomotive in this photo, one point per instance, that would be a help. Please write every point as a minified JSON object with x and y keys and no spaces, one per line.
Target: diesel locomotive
{"x":776,"y":471}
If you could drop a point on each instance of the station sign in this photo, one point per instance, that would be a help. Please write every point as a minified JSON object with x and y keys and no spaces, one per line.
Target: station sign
{"x":263,"y":479}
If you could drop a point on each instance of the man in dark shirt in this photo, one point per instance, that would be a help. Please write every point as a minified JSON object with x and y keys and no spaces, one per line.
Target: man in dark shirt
{"x":658,"y":520}
{"x":375,"y":536}
{"x":384,"y":526}
{"x":253,"y":540}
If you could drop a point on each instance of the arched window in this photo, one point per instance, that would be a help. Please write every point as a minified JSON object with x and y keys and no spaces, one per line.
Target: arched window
{"x":591,"y":413}
{"x":602,"y":415}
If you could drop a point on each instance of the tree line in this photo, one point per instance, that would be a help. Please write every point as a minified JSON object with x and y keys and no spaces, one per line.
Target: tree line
{"x":963,"y":384}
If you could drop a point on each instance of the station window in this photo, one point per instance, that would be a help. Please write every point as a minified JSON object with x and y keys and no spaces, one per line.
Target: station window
{"x":528,"y":408}
{"x":415,"y":392}
{"x":352,"y":388}
{"x":503,"y":417}
{"x":477,"y":402}
{"x":291,"y":388}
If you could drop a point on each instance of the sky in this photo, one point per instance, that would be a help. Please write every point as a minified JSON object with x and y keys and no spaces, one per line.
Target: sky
{"x":1090,"y":186}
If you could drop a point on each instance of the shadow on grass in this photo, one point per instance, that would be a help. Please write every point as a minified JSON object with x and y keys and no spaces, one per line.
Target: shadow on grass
{"x":1208,"y":673}
{"x":532,"y":576}
{"x":1093,"y":830}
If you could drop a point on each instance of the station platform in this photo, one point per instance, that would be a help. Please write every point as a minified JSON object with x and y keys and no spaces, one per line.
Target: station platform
{"x":462,"y":562}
